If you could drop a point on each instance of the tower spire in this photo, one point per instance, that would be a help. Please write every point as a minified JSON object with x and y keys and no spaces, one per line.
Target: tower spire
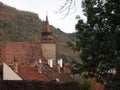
{"x":47,"y":26}
{"x":46,"y":35}
{"x":48,"y":43}
{"x":46,"y":16}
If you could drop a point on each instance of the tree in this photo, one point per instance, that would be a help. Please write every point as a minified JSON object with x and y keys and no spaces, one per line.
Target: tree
{"x":69,"y":6}
{"x":99,"y":40}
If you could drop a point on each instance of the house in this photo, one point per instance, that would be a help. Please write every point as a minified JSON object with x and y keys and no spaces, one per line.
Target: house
{"x":34,"y":61}
{"x":39,"y":72}
{"x":29,"y":52}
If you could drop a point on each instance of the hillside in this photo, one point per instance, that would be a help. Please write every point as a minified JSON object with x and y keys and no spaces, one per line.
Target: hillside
{"x":20,"y":26}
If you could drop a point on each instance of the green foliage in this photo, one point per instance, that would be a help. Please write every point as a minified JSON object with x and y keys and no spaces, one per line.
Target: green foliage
{"x":99,"y":40}
{"x":76,"y":65}
{"x":76,"y":68}
{"x":84,"y":83}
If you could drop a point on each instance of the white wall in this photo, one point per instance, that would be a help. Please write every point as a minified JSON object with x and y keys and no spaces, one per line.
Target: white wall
{"x":9,"y":74}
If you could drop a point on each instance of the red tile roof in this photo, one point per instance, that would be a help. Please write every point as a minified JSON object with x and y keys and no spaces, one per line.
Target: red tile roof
{"x":24,"y":52}
{"x":98,"y":86}
{"x":30,"y":73}
{"x":53,"y":74}
{"x":67,"y":68}
{"x":47,"y":26}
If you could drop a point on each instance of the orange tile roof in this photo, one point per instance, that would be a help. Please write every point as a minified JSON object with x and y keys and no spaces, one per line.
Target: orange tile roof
{"x":47,"y":26}
{"x":30,"y":73}
{"x":24,"y":52}
{"x":53,"y":74}
{"x":67,"y":68}
{"x":98,"y":86}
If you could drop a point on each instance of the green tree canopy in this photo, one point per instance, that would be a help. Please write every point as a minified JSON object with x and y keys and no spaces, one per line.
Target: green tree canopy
{"x":99,"y":40}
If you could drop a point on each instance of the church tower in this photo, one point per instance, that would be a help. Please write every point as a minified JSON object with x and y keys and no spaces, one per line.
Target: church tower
{"x":48,"y":42}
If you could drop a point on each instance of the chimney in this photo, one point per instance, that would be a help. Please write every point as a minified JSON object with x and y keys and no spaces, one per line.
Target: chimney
{"x":15,"y":65}
{"x":60,"y":62}
{"x":50,"y":63}
{"x":58,"y":68}
{"x":40,"y":66}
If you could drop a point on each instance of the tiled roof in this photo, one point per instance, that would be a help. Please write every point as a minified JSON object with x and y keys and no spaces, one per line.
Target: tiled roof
{"x":62,"y":77}
{"x":30,"y":73}
{"x":98,"y":86}
{"x":24,"y":52}
{"x":67,"y":68}
{"x":53,"y":74}
{"x":47,"y":26}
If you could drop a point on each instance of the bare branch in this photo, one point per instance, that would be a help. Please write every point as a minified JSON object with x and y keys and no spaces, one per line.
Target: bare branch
{"x":68,"y":7}
{"x":64,"y":5}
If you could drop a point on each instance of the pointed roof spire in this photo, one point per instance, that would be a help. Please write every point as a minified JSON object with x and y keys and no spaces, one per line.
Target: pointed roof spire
{"x":46,"y":35}
{"x":46,"y":16}
{"x":47,"y":26}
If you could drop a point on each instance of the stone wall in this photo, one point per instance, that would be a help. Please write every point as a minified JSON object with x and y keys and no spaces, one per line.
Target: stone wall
{"x":49,"y":50}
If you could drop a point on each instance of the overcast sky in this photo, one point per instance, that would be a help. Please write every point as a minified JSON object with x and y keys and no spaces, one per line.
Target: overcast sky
{"x":51,"y":6}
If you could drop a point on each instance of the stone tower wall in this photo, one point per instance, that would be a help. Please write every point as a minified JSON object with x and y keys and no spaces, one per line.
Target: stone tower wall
{"x":49,"y":51}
